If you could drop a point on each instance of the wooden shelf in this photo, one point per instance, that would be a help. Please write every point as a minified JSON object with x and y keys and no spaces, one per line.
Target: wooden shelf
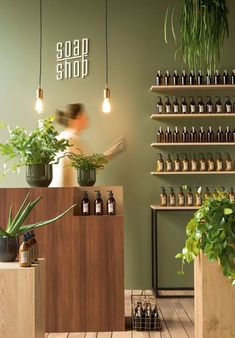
{"x":157,"y":116}
{"x":193,"y":144}
{"x":157,"y":173}
{"x":176,"y":208}
{"x":158,"y":89}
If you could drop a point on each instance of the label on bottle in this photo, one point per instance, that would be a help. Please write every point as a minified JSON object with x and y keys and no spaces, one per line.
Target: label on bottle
{"x":168,"y":166}
{"x":194,"y":166}
{"x":159,"y":108}
{"x":176,"y":109}
{"x":24,"y":257}
{"x":160,"y":166}
{"x":201,"y":108}
{"x":85,"y":208}
{"x":177,"y":166}
{"x":232,"y":198}
{"x":172,"y":200}
{"x":211,"y":165}
{"x":218,"y":108}
{"x":181,"y":200}
{"x":110,"y":208}
{"x":228,"y":166}
{"x":203,"y":166}
{"x":228,"y":108}
{"x":198,"y":200}
{"x":163,"y":201}
{"x":185,"y":166}
{"x":209,"y":108}
{"x":184,"y":108}
{"x":168,"y":109}
{"x":98,"y":208}
{"x":190,"y":200}
{"x":219,"y":166}
{"x":192,"y":108}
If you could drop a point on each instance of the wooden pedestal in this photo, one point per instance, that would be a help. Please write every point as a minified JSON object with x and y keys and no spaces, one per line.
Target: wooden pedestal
{"x":84,"y":259}
{"x":22,"y":301}
{"x":214,"y":301}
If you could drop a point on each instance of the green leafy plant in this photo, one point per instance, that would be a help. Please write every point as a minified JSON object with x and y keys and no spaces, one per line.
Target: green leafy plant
{"x":41,"y":146}
{"x":15,"y":225}
{"x":212,"y":230}
{"x":81,"y":161}
{"x":203,"y":27}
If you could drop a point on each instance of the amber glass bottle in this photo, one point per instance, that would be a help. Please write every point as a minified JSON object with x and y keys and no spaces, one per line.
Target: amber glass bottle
{"x":189,"y":197}
{"x":169,"y":165}
{"x":111,"y":204}
{"x":177,"y":163}
{"x":160,"y":163}
{"x":85,"y":205}
{"x":181,"y":198}
{"x":24,"y":253}
{"x":219,"y":163}
{"x":163,"y":197}
{"x":231,"y":195}
{"x":98,"y":204}
{"x":228,"y":162}
{"x":172,"y":199}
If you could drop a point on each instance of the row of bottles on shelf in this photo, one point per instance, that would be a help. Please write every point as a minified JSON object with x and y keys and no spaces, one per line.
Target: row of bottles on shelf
{"x":145,"y":317}
{"x":189,"y":198}
{"x":194,"y":163}
{"x":28,"y":252}
{"x":194,"y":108}
{"x":194,"y":79}
{"x":193,"y":136}
{"x":98,"y":204}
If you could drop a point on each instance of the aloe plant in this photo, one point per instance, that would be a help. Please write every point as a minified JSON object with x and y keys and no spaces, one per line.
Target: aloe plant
{"x":15,"y":225}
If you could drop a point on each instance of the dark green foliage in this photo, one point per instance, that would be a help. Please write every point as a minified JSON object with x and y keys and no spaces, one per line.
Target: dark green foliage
{"x":81,"y":161}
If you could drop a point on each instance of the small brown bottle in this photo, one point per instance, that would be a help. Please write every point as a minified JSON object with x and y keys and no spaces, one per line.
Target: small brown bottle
{"x":111,"y":204}
{"x":189,"y":197}
{"x":193,"y":163}
{"x":177,"y":163}
{"x":207,"y":193}
{"x":198,"y":197}
{"x":171,"y":197}
{"x":210,"y":163}
{"x":85,"y":205}
{"x":24,"y":253}
{"x":168,"y":135}
{"x":219,"y":163}
{"x":202,"y":163}
{"x":32,"y":247}
{"x":228,"y":162}
{"x":169,"y":165}
{"x":160,"y":164}
{"x":185,"y":163}
{"x":176,"y":135}
{"x":35,"y":246}
{"x":181,"y":198}
{"x":160,"y":135}
{"x":210,"y":135}
{"x":163,"y":197}
{"x":231,"y":195}
{"x":98,"y":204}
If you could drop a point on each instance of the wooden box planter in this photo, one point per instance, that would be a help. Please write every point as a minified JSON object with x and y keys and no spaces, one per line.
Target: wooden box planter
{"x":214,"y":301}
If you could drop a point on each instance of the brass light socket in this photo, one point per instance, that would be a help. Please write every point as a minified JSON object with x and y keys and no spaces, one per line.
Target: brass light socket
{"x":106,"y":93}
{"x":39,"y":93}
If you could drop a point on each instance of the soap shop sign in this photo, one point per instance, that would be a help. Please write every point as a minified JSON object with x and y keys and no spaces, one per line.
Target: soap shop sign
{"x":72,"y":59}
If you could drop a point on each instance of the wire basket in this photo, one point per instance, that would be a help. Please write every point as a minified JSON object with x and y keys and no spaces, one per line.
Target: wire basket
{"x":145,"y":313}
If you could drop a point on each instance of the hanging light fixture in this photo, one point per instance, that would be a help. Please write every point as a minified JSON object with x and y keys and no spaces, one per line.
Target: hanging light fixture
{"x":39,"y":92}
{"x":106,"y":106}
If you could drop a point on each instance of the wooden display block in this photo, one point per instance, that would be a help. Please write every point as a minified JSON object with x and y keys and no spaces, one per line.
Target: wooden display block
{"x":22,"y":301}
{"x":214,"y":301}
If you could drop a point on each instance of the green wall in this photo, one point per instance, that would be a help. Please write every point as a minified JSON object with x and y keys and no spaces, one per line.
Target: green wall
{"x":137,"y":51}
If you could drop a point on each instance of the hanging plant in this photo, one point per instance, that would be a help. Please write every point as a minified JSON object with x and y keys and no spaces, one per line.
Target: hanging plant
{"x":203,"y":28}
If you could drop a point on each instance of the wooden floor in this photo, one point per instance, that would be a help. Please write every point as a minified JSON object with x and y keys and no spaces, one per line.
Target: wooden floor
{"x":177,"y":316}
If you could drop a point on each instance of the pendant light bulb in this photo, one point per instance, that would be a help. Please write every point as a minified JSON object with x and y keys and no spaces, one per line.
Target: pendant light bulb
{"x":39,"y":101}
{"x":106,"y":106}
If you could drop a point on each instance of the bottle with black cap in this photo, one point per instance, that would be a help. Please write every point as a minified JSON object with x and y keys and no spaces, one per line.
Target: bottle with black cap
{"x":163,"y":197}
{"x":225,"y":77}
{"x":199,"y":78}
{"x":210,"y":163}
{"x":218,"y":105}
{"x":184,"y":105}
{"x":228,"y":105}
{"x":24,"y":253}
{"x":231,"y":195}
{"x":177,"y":163}
{"x":185,"y":163}
{"x":219,"y":163}
{"x":176,"y":135}
{"x":169,"y":165}
{"x":171,"y":197}
{"x":227,"y":135}
{"x":209,"y":106}
{"x":175,"y":78}
{"x":160,"y":163}
{"x":201,"y":135}
{"x":192,"y":105}
{"x":208,"y":77}
{"x":233,"y":138}
{"x":181,"y":198}
{"x":191,"y":78}
{"x":159,"y":78}
{"x":193,"y":135}
{"x":217,"y":77}
{"x":85,"y":205}
{"x":184,"y":78}
{"x":168,"y":106}
{"x":228,"y":162}
{"x":189,"y":197}
{"x":159,"y":109}
{"x":111,"y":204}
{"x":98,"y":204}
{"x":160,"y":135}
{"x":185,"y":135}
{"x":233,"y":77}
{"x":168,"y":135}
{"x":201,"y":106}
{"x":167,"y":78}
{"x":220,"y":135}
{"x":193,"y":163}
{"x":175,"y":105}
{"x":202,"y":163}
{"x":198,"y":197}
{"x":207,"y":193}
{"x":210,"y":135}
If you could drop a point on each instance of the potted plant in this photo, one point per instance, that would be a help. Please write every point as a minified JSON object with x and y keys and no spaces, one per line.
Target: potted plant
{"x":212,"y":231}
{"x":203,"y":27}
{"x":86,"y":167}
{"x":37,"y":150}
{"x":9,"y":237}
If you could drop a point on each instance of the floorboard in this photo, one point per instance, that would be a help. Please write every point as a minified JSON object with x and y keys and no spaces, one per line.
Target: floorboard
{"x":77,"y":335}
{"x":58,"y":335}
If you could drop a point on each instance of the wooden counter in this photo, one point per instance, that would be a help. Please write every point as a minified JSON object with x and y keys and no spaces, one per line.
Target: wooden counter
{"x":84,"y":259}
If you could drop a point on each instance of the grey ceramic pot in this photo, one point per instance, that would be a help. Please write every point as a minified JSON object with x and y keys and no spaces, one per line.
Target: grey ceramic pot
{"x":86,"y":177}
{"x":9,"y":247}
{"x":39,"y":175}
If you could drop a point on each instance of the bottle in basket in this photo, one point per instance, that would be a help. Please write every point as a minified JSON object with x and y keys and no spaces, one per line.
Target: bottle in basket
{"x":138,"y":317}
{"x":154,"y":319}
{"x":147,"y":319}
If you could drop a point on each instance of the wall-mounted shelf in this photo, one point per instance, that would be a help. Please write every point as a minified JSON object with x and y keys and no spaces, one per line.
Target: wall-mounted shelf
{"x":157,"y":173}
{"x":176,"y":208}
{"x":157,"y":145}
{"x":159,"y":89}
{"x":177,"y":116}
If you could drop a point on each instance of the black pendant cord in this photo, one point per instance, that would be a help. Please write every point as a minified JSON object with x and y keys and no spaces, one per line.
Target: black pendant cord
{"x":40,"y":44}
{"x":106,"y":44}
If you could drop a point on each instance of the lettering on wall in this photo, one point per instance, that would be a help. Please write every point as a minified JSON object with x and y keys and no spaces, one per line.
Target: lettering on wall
{"x":72,"y":59}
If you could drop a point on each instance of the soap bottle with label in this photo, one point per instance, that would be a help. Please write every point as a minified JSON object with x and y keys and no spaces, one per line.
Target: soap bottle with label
{"x":159,"y":109}
{"x":220,"y":135}
{"x":167,"y":78}
{"x":217,"y":77}
{"x":168,"y":135}
{"x":201,"y":135}
{"x":208,"y":77}
{"x":32,"y":247}
{"x":185,"y":163}
{"x":210,"y":163}
{"x":201,"y":106}
{"x":231,"y":195}
{"x":218,"y":105}
{"x":177,"y":163}
{"x":175,"y":78}
{"x":160,"y":163}
{"x":198,"y":197}
{"x":194,"y":164}
{"x":192,"y":106}
{"x":228,"y":135}
{"x":172,"y":199}
{"x":184,"y":106}
{"x":163,"y":198}
{"x":228,"y":105}
{"x":193,"y":135}
{"x":98,"y":204}
{"x":176,"y":135}
{"x":160,"y":135}
{"x":228,"y":162}
{"x":167,"y":106}
{"x":191,"y":78}
{"x":207,"y":193}
{"x":209,"y":106}
{"x":202,"y":163}
{"x":189,"y":197}
{"x":210,"y":135}
{"x":159,"y":78}
{"x":169,"y":165}
{"x":185,"y":135}
{"x":111,"y":204}
{"x":184,"y":78}
{"x":24,"y":253}
{"x":85,"y":205}
{"x":35,"y":246}
{"x":225,"y":77}
{"x":199,"y":78}
{"x":175,"y":105}
{"x":219,"y":163}
{"x":181,"y":198}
